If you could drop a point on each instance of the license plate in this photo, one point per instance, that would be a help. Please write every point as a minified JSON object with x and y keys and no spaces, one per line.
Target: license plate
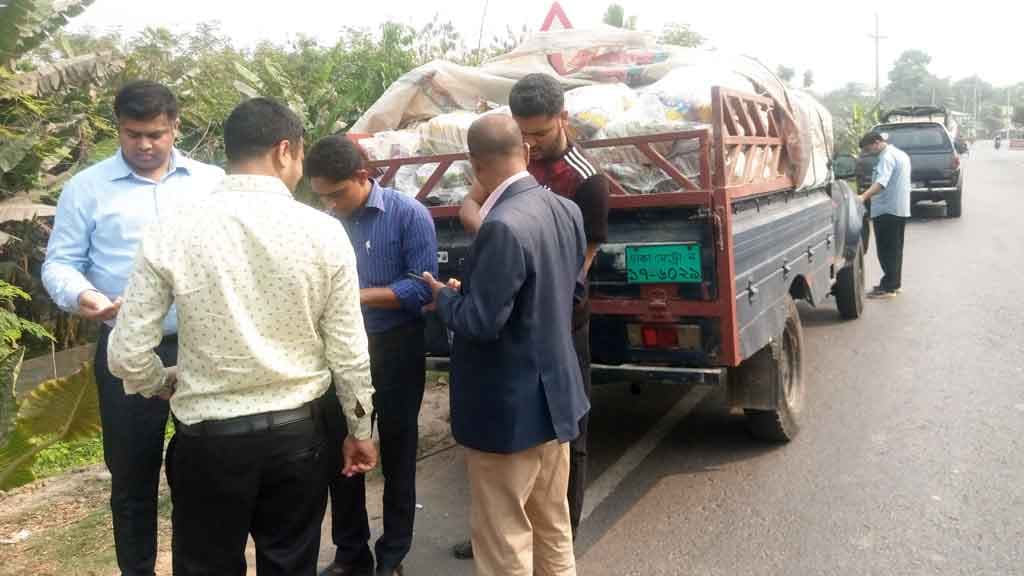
{"x":663,"y":264}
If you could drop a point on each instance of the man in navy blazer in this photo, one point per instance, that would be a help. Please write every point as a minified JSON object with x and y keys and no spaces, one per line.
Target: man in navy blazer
{"x":516,"y":390}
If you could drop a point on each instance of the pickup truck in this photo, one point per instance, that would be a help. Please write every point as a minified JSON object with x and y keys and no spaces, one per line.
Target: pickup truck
{"x":936,"y":171}
{"x":698,"y":285}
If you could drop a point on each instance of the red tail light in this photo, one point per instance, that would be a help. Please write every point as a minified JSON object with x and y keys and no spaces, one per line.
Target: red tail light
{"x":665,"y":336}
{"x":955,"y":164}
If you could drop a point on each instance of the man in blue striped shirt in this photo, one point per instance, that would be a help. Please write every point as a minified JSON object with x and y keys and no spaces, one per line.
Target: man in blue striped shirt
{"x":393,"y":236}
{"x":101,"y":215}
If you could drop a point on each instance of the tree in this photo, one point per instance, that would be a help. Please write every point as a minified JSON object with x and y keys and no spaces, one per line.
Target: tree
{"x":853,"y":112}
{"x":808,"y":79}
{"x":676,"y":34}
{"x":785,"y":73}
{"x":25,"y":24}
{"x":910,"y":83}
{"x":615,"y":16}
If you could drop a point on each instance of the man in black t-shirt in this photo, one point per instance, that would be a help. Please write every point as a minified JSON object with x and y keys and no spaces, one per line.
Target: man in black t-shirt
{"x":538,"y":106}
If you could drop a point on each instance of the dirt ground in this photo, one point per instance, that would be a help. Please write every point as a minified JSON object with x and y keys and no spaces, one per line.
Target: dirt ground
{"x":61,"y":525}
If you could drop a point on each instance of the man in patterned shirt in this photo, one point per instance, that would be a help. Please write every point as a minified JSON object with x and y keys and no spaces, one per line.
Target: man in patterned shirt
{"x":268,"y":304}
{"x":394,"y":238}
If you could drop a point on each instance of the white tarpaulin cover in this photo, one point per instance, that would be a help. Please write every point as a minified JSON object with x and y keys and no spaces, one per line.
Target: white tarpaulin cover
{"x":618,"y":82}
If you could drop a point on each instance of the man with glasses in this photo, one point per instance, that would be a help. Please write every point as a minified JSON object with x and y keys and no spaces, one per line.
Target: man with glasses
{"x":394,"y":237}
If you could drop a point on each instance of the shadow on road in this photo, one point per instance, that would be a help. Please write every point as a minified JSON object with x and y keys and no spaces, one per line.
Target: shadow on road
{"x":706,"y":440}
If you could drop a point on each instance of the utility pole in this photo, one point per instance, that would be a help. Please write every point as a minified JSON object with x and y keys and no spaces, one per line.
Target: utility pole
{"x":878,"y":77}
{"x":480,"y":38}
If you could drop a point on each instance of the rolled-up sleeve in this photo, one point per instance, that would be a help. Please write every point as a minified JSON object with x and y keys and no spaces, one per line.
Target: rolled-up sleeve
{"x":67,"y":253}
{"x":884,"y":169}
{"x":139,"y":328}
{"x":346,"y":346}
{"x":419,"y":255}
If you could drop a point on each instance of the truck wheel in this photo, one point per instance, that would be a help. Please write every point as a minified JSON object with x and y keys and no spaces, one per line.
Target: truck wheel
{"x":954,"y":203}
{"x":849,"y":288}
{"x":780,"y":366}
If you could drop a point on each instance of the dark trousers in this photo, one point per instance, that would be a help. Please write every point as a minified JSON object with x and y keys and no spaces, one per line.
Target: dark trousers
{"x":133,"y":449}
{"x":271,"y":484}
{"x":578,"y":447}
{"x":398,"y":366}
{"x":889,"y":233}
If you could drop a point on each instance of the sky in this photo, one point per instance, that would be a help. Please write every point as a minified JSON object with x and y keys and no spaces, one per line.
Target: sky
{"x":831,"y":38}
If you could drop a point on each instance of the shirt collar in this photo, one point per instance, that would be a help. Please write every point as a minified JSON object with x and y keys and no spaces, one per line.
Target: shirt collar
{"x":121,"y":169}
{"x":496,"y":195}
{"x":254,"y":183}
{"x":376,"y":198}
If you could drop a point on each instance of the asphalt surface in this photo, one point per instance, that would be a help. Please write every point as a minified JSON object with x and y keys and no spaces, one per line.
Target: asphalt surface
{"x":911,"y":455}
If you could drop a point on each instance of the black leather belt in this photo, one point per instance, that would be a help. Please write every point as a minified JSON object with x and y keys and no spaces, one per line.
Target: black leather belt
{"x":251,"y":424}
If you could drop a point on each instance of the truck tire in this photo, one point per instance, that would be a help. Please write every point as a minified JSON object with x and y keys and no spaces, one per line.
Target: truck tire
{"x":849,"y":288}
{"x":954,"y":203}
{"x":779,"y":365}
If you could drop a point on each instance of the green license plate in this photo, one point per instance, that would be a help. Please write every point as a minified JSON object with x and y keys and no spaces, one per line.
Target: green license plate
{"x":663,"y":264}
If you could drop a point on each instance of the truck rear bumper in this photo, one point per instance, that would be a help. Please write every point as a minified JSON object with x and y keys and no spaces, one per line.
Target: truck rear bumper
{"x":632,"y":373}
{"x":674,"y":375}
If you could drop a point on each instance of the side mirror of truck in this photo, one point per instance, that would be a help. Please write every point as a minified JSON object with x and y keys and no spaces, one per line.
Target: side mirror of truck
{"x":844,"y":167}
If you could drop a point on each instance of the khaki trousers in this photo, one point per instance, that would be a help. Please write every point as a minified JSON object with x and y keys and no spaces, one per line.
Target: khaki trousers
{"x":520,"y":517}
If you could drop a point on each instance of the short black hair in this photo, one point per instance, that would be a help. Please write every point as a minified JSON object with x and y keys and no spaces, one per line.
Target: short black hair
{"x":335,"y":158}
{"x":257,"y":125}
{"x":870,"y":138}
{"x":145,"y":100}
{"x":536,"y":95}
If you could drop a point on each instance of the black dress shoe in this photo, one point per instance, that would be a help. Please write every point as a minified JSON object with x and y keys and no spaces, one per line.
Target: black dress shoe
{"x":463,"y":550}
{"x":396,"y":571}
{"x":358,"y":569}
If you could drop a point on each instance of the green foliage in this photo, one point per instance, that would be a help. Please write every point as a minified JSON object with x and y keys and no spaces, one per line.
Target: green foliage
{"x":676,"y":34}
{"x":60,"y":410}
{"x":10,"y":365}
{"x":25,"y":24}
{"x":861,"y":119}
{"x":16,"y":457}
{"x":12,"y":327}
{"x":64,"y":456}
{"x":615,"y":15}
{"x":785,"y":73}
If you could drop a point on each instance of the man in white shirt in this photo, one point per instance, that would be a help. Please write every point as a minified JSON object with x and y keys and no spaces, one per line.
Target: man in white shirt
{"x":268,"y":306}
{"x":889,"y":194}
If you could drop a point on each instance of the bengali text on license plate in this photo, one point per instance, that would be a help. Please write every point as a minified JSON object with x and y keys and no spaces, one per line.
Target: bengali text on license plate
{"x":663,"y":263}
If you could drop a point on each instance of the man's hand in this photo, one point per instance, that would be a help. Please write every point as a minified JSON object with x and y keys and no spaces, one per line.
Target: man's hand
{"x":95,"y":306}
{"x":435,"y":286}
{"x":170,"y":383}
{"x":360,"y":456}
{"x":469,"y":213}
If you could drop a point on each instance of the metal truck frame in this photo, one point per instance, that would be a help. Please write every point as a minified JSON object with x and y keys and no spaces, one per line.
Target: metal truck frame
{"x":764,"y":244}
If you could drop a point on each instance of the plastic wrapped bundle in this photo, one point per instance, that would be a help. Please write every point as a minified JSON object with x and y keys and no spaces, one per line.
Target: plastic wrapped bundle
{"x":391,"y":144}
{"x":686,"y":92}
{"x":452,"y":188}
{"x":592,"y":108}
{"x":445,"y":134}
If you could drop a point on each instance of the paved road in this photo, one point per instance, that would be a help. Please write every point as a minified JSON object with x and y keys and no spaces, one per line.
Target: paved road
{"x":911,"y":459}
